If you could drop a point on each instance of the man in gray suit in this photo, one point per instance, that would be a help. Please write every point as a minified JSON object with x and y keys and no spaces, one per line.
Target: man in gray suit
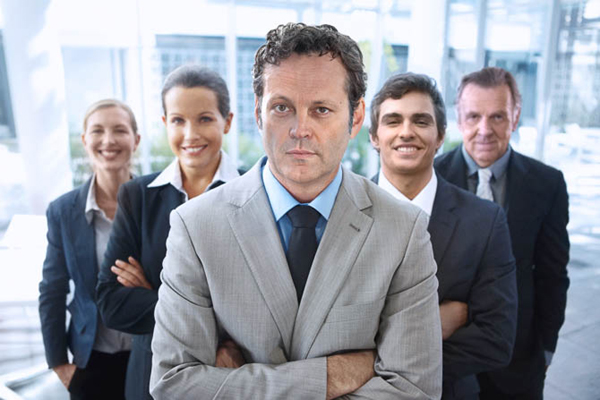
{"x":361,"y":318}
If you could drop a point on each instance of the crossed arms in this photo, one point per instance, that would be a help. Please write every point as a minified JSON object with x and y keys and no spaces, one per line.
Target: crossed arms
{"x":187,"y":334}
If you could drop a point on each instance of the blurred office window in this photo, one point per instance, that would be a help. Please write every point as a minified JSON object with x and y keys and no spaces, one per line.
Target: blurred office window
{"x":250,"y":142}
{"x":514,"y":40}
{"x":462,"y":43}
{"x":91,"y":74}
{"x":503,"y":33}
{"x":176,"y":50}
{"x":7,"y":126}
{"x":11,"y":187}
{"x":551,"y":47}
{"x":576,"y":76}
{"x":131,"y":61}
{"x":573,"y":138}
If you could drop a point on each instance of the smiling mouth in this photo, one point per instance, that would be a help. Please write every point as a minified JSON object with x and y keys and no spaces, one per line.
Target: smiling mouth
{"x":109,"y":153}
{"x":193,"y":150}
{"x":406,"y":149}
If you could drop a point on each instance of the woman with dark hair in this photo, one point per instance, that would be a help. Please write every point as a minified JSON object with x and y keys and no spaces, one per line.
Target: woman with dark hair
{"x":196,"y":115}
{"x":79,"y":224}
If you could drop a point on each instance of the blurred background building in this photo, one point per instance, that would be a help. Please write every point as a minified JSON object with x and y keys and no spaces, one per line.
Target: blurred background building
{"x":59,"y":56}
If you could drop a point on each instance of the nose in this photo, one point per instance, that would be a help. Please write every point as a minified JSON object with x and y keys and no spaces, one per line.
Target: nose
{"x":484,"y":127}
{"x":405,"y":130}
{"x":109,"y":137}
{"x":189,"y":131}
{"x":301,"y":127}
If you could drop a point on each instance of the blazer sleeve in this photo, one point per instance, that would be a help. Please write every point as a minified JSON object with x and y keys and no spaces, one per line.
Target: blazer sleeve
{"x":126,"y":309}
{"x":409,"y":343}
{"x":486,"y":342}
{"x":54,"y":288}
{"x":550,"y":273}
{"x":183,"y":362}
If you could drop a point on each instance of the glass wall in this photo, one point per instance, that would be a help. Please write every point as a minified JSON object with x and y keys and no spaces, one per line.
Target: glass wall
{"x":7,"y":127}
{"x":132,"y":66}
{"x":125,"y":49}
{"x":130,"y":61}
{"x":503,"y":33}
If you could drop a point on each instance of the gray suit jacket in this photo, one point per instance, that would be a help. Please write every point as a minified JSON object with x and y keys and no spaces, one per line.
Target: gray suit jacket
{"x":372,"y":286}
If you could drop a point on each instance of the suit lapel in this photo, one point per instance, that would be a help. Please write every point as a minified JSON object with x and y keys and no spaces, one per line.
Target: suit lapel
{"x":442,"y":221}
{"x":170,"y":198}
{"x":82,"y":236}
{"x":342,"y":241}
{"x":442,"y":224}
{"x":258,"y":237}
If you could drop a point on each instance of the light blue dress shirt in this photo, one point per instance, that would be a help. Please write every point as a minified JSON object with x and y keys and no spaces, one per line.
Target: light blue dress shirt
{"x":282,"y":201}
{"x":498,"y":183}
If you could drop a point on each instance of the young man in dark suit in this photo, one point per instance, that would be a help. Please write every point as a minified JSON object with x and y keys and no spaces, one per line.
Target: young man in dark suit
{"x":469,"y":236}
{"x":535,"y":199}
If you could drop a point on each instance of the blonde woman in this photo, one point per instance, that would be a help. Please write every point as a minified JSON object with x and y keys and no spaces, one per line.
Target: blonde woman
{"x":79,"y":224}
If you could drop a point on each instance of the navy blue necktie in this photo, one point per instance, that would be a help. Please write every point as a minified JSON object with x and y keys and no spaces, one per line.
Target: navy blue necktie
{"x":303,"y":244}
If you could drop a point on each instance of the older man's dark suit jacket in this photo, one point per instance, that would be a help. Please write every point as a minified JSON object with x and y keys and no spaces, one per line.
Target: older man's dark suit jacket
{"x":537,"y":213}
{"x":139,"y":230}
{"x":471,"y":246}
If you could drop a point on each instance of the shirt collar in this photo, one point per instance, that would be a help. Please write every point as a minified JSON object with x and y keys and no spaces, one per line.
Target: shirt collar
{"x":91,"y":205}
{"x":171,"y":175}
{"x":424,"y":200}
{"x":282,"y":201}
{"x":498,"y":168}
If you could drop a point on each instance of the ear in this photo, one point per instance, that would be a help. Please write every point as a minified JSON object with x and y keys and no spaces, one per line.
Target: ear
{"x":358,"y":118}
{"x":137,"y":141}
{"x":83,"y":139}
{"x":257,"y":112}
{"x":164,"y":120}
{"x":228,"y":123}
{"x":374,"y":142}
{"x":440,"y":142}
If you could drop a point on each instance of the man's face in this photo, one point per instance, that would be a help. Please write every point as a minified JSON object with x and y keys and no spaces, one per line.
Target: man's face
{"x":486,"y":118}
{"x":407,"y":136}
{"x":304,"y":118}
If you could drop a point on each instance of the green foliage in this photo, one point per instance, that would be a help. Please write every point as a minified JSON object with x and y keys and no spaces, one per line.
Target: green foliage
{"x":356,"y":153}
{"x":450,"y":145}
{"x":160,"y":150}
{"x":250,"y":150}
{"x":80,"y":165}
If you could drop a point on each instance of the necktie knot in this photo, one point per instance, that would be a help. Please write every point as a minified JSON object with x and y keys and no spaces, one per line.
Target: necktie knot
{"x":484,"y":190}
{"x":303,"y":217}
{"x":484,"y":174}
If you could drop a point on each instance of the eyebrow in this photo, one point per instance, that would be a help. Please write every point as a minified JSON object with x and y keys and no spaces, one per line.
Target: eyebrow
{"x":395,"y":115}
{"x":390,"y":116}
{"x":278,"y":98}
{"x":426,"y":116}
{"x":327,"y":103}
